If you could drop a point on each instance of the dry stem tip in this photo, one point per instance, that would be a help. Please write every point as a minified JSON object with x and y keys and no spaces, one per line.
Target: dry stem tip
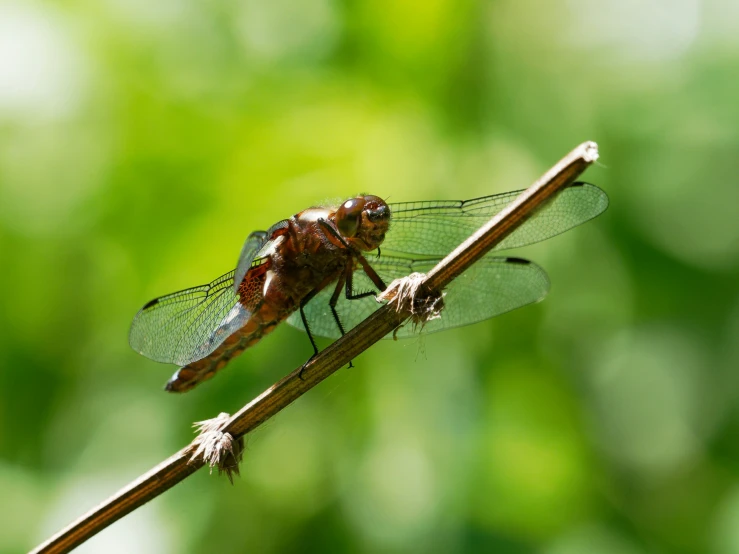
{"x":591,"y":152}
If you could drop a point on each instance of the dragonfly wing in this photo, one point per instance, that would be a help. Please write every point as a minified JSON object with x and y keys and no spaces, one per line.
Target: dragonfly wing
{"x":491,"y":287}
{"x":188,"y":325}
{"x":257,"y":248}
{"x":252,"y":245}
{"x":436,"y":228}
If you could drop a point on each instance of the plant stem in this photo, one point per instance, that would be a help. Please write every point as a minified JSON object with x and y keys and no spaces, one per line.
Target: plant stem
{"x":382,"y":322}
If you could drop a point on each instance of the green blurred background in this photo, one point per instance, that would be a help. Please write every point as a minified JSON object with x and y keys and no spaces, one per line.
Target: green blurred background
{"x":140,"y":142}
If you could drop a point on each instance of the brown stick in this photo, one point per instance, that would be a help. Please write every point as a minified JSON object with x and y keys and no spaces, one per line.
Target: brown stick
{"x":284,"y":392}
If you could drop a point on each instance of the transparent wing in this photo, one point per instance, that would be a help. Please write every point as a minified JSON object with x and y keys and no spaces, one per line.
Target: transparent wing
{"x":254,"y":243}
{"x":493,"y":286}
{"x":436,"y":228}
{"x":188,"y":325}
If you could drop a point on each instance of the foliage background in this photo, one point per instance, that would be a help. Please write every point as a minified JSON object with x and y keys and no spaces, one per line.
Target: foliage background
{"x":140,"y":142}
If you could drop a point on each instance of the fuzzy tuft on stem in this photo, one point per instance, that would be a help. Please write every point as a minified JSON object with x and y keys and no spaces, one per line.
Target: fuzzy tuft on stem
{"x":216,"y":448}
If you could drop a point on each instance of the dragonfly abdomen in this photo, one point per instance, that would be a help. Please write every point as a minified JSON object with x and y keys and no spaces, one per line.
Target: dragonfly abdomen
{"x":187,"y":377}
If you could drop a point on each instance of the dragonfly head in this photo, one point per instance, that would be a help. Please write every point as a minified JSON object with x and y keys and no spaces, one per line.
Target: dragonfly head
{"x":363,"y":221}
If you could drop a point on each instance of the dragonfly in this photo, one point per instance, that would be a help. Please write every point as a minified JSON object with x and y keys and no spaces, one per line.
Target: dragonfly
{"x":314,"y":271}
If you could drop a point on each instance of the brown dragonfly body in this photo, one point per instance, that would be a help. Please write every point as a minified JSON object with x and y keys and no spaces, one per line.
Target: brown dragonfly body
{"x":305,"y":254}
{"x":299,"y":268}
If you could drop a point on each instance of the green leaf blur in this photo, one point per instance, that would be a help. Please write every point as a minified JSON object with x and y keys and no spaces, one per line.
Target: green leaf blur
{"x":141,"y":142}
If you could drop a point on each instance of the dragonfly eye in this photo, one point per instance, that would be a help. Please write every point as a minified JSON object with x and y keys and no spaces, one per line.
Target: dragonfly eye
{"x":376,"y":208}
{"x":348,"y":216}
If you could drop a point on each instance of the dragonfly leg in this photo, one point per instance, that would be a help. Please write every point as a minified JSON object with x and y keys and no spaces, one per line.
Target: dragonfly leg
{"x":350,"y":295}
{"x":307,"y":330}
{"x":334,"y":233}
{"x":349,"y":292}
{"x":332,"y":303}
{"x":302,"y":369}
{"x":334,"y":300}
{"x":371,"y":273}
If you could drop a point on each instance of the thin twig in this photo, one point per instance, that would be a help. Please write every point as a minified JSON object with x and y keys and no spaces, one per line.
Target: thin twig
{"x":337,"y":355}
